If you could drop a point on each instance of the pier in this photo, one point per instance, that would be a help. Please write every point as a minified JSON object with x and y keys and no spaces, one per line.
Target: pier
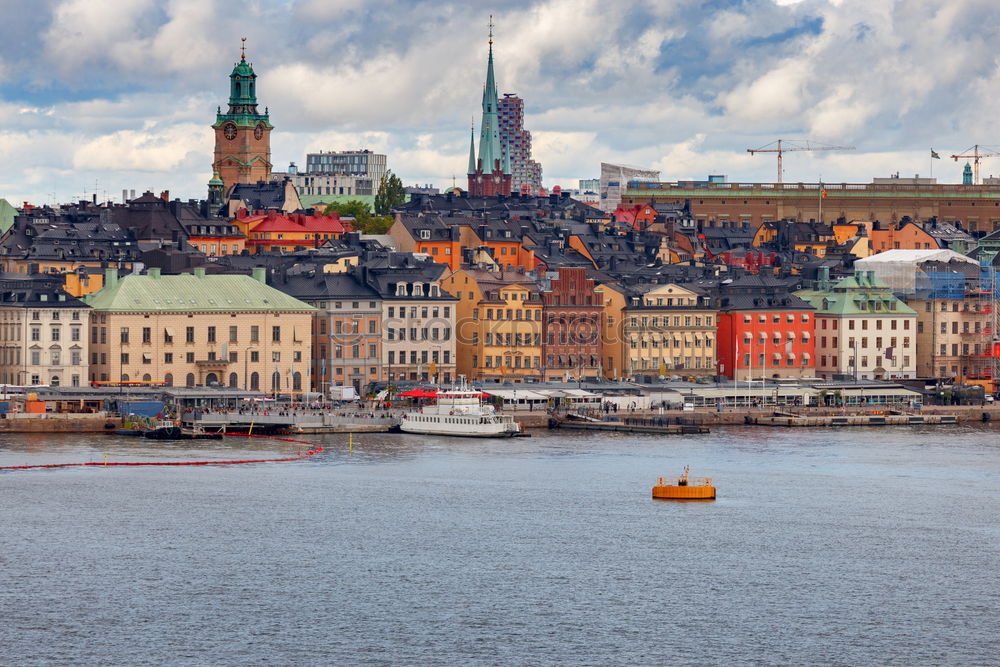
{"x":653,"y":425}
{"x":309,"y":421}
{"x":793,"y":420}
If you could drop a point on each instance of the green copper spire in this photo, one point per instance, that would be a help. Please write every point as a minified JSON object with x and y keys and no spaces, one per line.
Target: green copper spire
{"x":472,"y":149}
{"x":489,"y":133}
{"x":243,"y":85}
{"x":243,"y":96}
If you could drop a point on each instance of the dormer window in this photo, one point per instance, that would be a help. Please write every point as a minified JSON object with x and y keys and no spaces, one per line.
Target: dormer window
{"x":435,"y":290}
{"x":400,"y":289}
{"x":418,"y":289}
{"x":425,"y":234}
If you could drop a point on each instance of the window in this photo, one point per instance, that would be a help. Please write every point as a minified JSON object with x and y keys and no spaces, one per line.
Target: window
{"x":189,"y":357}
{"x":54,"y":334}
{"x":36,"y":333}
{"x":254,"y":333}
{"x":233,"y":334}
{"x":276,"y":356}
{"x":124,"y":335}
{"x":167,"y":336}
{"x":124,"y":358}
{"x":168,"y":357}
{"x":189,"y":334}
{"x":211,"y":334}
{"x":276,"y":334}
{"x":36,"y":358}
{"x":147,"y":335}
{"x":254,"y":356}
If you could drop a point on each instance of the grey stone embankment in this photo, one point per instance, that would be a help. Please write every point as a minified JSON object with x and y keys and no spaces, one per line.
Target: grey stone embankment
{"x":55,"y":422}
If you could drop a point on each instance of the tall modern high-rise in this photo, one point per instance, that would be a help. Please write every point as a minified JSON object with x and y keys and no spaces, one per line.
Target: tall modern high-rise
{"x":490,"y":174}
{"x":526,"y":173}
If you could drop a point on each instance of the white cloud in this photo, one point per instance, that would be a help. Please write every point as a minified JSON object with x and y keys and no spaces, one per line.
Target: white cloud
{"x":123,"y":91}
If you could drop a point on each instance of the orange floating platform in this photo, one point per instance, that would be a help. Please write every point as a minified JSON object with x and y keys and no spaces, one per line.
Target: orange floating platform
{"x":684,"y":487}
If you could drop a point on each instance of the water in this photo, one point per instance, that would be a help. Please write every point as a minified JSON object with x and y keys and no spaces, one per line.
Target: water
{"x":825,"y":547}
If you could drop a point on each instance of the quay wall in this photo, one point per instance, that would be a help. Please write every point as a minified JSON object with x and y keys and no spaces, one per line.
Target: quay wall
{"x":57,"y":422}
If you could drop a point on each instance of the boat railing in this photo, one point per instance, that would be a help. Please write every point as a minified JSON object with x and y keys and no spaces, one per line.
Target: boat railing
{"x":684,"y":480}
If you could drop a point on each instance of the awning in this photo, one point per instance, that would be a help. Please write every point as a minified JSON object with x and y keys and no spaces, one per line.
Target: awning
{"x":169,"y":332}
{"x":296,"y":334}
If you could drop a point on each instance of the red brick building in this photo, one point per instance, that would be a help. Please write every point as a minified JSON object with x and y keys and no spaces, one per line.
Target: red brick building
{"x":571,"y":317}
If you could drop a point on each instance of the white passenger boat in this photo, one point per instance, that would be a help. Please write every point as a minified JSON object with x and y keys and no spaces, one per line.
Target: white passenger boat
{"x":460,"y":411}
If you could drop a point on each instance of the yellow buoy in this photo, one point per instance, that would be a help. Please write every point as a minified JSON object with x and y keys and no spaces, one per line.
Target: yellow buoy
{"x":684,"y":487}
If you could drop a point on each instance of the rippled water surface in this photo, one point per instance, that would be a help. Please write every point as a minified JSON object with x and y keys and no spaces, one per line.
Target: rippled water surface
{"x":848,"y":547}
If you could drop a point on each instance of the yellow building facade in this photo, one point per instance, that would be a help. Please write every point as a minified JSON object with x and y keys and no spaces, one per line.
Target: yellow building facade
{"x":499,"y":324}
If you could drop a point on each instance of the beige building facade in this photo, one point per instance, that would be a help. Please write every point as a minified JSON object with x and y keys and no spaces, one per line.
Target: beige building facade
{"x":670,"y":330}
{"x":43,"y":333}
{"x":200,"y":330}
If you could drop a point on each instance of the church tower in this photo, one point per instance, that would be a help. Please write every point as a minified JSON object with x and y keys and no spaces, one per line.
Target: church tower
{"x":242,"y":134}
{"x":490,"y":175}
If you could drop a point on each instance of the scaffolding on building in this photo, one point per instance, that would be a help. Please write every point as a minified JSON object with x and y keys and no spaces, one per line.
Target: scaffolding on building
{"x":957,"y":284}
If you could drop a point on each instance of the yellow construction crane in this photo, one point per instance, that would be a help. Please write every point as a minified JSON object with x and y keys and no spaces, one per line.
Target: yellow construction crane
{"x":782,"y":146}
{"x":976,"y":153}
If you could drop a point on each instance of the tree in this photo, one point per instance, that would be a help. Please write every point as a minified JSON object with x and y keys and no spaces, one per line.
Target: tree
{"x":390,"y":194}
{"x":364,"y":221}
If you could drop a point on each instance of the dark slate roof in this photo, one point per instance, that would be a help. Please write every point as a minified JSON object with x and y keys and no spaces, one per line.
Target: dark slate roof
{"x":36,"y":291}
{"x":317,"y":286}
{"x":260,"y":196}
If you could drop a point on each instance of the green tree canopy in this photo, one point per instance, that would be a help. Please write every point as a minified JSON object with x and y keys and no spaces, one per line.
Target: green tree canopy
{"x":390,"y":194}
{"x":364,"y":221}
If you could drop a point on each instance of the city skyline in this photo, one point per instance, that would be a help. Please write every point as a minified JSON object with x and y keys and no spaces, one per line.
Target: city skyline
{"x":101,"y":97}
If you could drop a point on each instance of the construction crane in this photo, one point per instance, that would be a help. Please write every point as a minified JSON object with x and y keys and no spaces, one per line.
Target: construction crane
{"x":782,"y":146}
{"x":976,"y":153}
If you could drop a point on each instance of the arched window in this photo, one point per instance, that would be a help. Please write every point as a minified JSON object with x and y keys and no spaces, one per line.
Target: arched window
{"x":54,"y":381}
{"x":189,"y":381}
{"x":275,"y":381}
{"x":168,"y":379}
{"x":254,"y":381}
{"x":232,"y":380}
{"x":147,"y":378}
{"x":297,"y":381}
{"x":211,"y":379}
{"x":124,"y":377}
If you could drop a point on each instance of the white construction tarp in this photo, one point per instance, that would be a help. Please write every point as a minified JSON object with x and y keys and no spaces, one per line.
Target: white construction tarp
{"x":899,"y":269}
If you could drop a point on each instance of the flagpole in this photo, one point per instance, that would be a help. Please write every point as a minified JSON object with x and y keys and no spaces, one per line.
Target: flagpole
{"x":821,"y":201}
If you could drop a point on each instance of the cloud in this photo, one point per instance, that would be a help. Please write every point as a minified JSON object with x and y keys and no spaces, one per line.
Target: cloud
{"x":122,"y":92}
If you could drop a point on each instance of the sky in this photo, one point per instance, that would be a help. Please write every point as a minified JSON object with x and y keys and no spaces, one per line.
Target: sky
{"x":97,"y":96}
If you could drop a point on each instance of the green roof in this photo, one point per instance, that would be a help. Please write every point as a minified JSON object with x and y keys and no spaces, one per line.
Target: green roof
{"x":7,"y":215}
{"x":187,"y":293}
{"x":845,"y":296}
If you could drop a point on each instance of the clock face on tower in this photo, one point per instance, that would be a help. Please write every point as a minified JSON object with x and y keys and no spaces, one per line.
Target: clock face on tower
{"x":229,"y":131}
{"x":258,"y":131}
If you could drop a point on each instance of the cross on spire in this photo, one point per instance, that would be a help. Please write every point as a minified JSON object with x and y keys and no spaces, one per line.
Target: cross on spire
{"x":243,"y":48}
{"x":491,"y":29}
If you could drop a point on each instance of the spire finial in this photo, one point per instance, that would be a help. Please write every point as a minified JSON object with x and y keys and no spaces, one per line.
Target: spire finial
{"x":491,"y":29}
{"x":243,"y":48}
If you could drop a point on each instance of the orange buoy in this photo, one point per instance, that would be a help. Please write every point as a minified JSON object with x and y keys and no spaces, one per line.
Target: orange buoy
{"x":684,"y":487}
